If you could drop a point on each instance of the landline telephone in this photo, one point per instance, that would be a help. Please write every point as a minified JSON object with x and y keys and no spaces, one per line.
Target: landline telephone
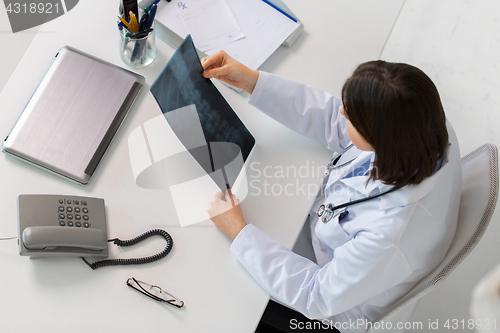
{"x":63,"y":225}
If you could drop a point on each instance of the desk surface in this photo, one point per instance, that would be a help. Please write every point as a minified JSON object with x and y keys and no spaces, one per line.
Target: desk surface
{"x":220,"y":296}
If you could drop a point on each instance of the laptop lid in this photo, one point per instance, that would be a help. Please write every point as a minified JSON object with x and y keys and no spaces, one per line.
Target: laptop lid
{"x":73,"y":115}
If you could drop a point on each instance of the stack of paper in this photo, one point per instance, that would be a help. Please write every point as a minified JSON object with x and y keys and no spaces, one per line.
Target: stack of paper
{"x":248,"y":30}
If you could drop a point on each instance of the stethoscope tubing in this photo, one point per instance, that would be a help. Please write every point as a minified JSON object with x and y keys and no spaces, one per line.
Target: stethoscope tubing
{"x":326,"y":212}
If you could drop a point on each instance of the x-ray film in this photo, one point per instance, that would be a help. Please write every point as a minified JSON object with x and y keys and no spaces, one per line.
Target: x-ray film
{"x":201,"y":118}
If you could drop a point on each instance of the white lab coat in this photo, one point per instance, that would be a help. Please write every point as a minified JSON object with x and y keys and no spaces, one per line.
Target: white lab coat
{"x":376,"y":253}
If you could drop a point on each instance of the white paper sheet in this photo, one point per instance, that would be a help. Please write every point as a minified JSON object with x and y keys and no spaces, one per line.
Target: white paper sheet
{"x":210,"y":22}
{"x":264,"y":27}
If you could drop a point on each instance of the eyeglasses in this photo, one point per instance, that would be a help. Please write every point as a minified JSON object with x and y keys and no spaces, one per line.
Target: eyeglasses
{"x":154,"y":292}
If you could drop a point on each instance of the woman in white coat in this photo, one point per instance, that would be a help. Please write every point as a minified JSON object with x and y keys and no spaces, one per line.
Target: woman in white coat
{"x":371,"y":253}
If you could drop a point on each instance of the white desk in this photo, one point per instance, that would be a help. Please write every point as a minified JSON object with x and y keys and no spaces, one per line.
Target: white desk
{"x":58,"y":295}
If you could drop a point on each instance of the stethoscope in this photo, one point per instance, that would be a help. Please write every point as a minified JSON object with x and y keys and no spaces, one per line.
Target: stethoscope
{"x":329,"y":211}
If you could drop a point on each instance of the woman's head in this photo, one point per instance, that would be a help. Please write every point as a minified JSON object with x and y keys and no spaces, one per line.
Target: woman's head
{"x":396,"y":109}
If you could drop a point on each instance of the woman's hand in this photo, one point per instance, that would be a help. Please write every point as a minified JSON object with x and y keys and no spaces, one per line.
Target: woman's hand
{"x":222,"y":67}
{"x":225,"y":212}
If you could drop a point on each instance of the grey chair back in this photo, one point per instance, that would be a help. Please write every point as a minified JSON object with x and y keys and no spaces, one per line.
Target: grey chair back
{"x":477,"y":203}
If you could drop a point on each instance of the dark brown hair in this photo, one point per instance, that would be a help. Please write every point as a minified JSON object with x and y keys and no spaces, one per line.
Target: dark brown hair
{"x":397,"y":110}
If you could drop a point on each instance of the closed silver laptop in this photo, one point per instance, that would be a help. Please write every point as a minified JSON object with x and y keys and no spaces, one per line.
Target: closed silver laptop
{"x":73,"y":115}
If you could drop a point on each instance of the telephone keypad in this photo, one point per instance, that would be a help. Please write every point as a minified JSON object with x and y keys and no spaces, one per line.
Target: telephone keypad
{"x":65,"y":214}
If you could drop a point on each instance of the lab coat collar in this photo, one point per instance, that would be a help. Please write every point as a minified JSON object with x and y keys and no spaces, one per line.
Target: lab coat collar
{"x":359,"y":183}
{"x":360,"y":159}
{"x":402,"y":197}
{"x":339,"y":173}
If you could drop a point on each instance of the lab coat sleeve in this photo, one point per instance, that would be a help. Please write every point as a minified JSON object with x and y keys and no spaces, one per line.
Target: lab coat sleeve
{"x":302,"y":108}
{"x":362,"y":268}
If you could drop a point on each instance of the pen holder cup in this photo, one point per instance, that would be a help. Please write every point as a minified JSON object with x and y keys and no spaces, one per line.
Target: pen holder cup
{"x":137,"y":51}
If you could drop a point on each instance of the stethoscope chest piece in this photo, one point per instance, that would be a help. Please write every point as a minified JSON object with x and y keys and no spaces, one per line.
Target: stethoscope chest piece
{"x":328,"y":212}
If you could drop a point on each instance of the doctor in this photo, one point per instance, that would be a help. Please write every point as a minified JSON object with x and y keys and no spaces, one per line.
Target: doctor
{"x":400,"y":159}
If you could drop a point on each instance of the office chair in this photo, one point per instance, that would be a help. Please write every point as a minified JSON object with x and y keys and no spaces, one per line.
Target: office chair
{"x":477,"y":203}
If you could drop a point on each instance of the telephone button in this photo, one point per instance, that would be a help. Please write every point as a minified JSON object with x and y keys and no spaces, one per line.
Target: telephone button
{"x":77,"y":210}
{"x":61,"y":201}
{"x":62,"y":216}
{"x":86,"y":224}
{"x":69,"y":209}
{"x":62,"y":224}
{"x":84,"y":203}
{"x":85,"y":210}
{"x":78,"y":224}
{"x":69,"y":216}
{"x":61,"y":208}
{"x":85,"y":217}
{"x":77,"y":217}
{"x":70,"y":224}
{"x":76,"y":202}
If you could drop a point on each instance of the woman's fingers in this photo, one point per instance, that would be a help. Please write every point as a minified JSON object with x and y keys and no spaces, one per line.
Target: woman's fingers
{"x":215,"y":60}
{"x":215,"y":72}
{"x":226,"y":214}
{"x":224,"y":68}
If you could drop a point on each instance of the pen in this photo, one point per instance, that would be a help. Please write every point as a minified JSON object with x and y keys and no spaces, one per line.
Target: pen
{"x":230,"y":194}
{"x":141,"y":34}
{"x":123,"y":36}
{"x":148,"y":3}
{"x":135,"y":51}
{"x":228,"y":187}
{"x":126,"y":24}
{"x":144,"y":21}
{"x":139,"y":44}
{"x":152,"y":13}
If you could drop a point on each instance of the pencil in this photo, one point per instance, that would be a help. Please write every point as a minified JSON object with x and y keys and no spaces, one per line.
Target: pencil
{"x":133,"y":22}
{"x":126,"y":24}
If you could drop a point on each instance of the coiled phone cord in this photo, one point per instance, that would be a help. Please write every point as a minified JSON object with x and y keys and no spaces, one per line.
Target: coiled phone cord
{"x":130,"y":242}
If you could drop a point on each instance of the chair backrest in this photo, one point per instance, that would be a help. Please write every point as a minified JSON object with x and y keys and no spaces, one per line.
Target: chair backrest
{"x":477,"y":203}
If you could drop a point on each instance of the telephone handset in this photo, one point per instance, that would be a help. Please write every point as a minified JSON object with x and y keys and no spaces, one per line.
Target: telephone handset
{"x":62,"y":225}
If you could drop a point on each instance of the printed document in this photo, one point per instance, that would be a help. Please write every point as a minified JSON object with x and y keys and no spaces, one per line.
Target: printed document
{"x":210,"y":22}
{"x":264,"y":28}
